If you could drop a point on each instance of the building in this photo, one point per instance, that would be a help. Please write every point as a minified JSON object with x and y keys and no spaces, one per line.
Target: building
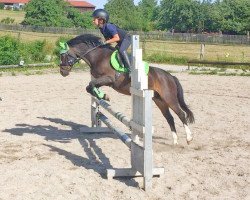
{"x":14,"y":4}
{"x":19,"y":4}
{"x":82,"y":5}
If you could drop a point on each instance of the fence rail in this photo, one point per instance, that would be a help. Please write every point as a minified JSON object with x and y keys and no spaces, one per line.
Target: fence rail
{"x":217,"y":63}
{"x":155,"y":35}
{"x":26,"y":65}
{"x":197,"y":38}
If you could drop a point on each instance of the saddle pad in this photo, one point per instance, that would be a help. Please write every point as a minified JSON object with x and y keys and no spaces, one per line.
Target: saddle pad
{"x":119,"y":67}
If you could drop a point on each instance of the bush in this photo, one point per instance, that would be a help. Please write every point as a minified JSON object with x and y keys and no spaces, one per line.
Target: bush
{"x":33,"y":51}
{"x":8,"y":20}
{"x":12,"y":51}
{"x":9,"y":53}
{"x":1,"y":6}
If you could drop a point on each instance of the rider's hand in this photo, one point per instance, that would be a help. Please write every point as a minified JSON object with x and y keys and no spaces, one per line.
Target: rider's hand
{"x":104,"y":43}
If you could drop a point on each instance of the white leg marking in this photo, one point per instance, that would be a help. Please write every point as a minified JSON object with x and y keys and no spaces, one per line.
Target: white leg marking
{"x":189,"y":134}
{"x":175,"y":138}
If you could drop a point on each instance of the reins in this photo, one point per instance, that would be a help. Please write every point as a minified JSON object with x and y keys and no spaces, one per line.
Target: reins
{"x":92,"y":49}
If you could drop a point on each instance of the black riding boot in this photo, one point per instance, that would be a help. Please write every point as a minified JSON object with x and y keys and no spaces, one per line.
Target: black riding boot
{"x":126,"y":60}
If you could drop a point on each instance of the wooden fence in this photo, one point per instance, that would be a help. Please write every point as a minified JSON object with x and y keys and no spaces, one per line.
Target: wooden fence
{"x":154,"y":35}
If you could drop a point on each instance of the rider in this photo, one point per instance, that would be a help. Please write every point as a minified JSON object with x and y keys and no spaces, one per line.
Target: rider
{"x":113,"y":33}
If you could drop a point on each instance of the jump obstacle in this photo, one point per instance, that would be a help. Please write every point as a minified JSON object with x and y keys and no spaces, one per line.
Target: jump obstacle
{"x":140,"y":124}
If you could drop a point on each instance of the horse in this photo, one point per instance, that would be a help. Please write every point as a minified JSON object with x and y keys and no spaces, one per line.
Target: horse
{"x":168,"y":92}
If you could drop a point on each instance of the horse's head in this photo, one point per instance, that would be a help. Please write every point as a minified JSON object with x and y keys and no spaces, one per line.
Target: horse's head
{"x":81,"y":47}
{"x":68,"y":59}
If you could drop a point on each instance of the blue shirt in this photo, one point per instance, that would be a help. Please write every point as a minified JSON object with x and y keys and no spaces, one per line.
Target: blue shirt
{"x":109,"y":30}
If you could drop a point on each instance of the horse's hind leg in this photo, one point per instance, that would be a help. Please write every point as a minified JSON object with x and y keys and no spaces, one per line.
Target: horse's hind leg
{"x":176,"y":108}
{"x":166,"y":113}
{"x":173,"y":103}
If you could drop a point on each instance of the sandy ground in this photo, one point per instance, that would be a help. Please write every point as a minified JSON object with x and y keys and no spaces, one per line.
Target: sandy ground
{"x":43,"y":156}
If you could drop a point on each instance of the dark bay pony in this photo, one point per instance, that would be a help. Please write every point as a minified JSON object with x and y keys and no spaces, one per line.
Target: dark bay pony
{"x":168,"y":92}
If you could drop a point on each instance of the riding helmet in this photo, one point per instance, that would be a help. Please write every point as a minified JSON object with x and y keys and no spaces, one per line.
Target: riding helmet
{"x":101,"y":13}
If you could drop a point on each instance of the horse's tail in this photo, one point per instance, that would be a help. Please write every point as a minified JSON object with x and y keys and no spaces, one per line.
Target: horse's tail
{"x":180,"y":96}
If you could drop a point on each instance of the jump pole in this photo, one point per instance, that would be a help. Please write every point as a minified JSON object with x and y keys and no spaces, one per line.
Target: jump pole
{"x":140,"y":124}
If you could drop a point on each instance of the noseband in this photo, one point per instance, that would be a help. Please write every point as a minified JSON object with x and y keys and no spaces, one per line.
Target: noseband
{"x":71,"y":59}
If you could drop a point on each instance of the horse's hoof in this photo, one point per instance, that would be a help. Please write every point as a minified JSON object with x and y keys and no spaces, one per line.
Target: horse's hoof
{"x":106,"y":97}
{"x":189,"y":140}
{"x":175,"y":143}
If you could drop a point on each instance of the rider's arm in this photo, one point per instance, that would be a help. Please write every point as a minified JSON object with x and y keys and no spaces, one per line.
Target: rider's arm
{"x":115,"y":38}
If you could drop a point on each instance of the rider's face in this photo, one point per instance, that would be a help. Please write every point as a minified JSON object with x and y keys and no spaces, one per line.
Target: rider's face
{"x":97,"y":22}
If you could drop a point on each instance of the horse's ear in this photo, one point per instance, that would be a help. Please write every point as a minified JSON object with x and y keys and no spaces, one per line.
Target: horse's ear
{"x":64,"y":47}
{"x":61,"y":44}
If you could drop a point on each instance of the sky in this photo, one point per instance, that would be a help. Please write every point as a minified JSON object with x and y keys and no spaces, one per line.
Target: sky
{"x":101,"y":3}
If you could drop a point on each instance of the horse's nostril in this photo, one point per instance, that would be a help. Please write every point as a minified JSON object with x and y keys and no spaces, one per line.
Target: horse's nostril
{"x":64,"y":72}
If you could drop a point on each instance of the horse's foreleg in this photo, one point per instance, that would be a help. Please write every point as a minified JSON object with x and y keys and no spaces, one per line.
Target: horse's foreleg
{"x":93,"y":86}
{"x":166,"y":113}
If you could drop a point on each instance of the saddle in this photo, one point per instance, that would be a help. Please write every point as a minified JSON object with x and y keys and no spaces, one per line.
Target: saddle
{"x":117,"y":64}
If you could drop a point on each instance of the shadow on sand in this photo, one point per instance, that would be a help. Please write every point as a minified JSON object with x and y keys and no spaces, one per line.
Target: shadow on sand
{"x":96,"y":159}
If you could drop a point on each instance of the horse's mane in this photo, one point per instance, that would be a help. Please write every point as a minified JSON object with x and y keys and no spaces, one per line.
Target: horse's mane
{"x":88,"y":39}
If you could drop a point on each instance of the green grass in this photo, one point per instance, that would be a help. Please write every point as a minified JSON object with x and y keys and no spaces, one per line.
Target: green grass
{"x":220,"y":72}
{"x":32,"y":36}
{"x":18,"y":16}
{"x":191,"y":51}
{"x":161,"y":58}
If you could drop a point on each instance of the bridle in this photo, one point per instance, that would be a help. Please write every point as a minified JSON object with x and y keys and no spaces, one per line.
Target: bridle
{"x":73,"y":59}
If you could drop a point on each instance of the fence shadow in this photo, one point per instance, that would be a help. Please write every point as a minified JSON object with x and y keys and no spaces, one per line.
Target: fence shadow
{"x":95,"y":160}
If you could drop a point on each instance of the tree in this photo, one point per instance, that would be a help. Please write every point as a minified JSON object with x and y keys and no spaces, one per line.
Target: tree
{"x":47,"y":13}
{"x":210,"y":17}
{"x":123,"y":13}
{"x":236,"y":16}
{"x":56,"y":13}
{"x":181,"y":15}
{"x":147,"y":10}
{"x":79,"y":19}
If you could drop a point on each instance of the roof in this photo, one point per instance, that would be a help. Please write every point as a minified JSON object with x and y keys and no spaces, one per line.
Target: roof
{"x":81,"y":4}
{"x":78,"y":3}
{"x":14,"y":1}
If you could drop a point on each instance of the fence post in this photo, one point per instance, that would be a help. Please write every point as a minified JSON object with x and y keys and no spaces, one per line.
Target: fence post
{"x":144,"y":45}
{"x":202,"y":51}
{"x":19,"y":36}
